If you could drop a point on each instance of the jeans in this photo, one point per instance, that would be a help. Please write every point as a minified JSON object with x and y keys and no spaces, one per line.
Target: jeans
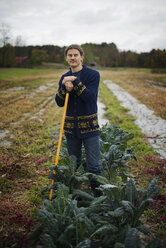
{"x":92,"y":151}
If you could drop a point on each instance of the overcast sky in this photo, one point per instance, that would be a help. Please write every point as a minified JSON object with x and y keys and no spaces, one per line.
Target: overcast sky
{"x":138,"y":25}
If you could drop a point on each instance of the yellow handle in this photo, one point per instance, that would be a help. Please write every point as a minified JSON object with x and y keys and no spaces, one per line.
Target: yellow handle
{"x":60,"y":140}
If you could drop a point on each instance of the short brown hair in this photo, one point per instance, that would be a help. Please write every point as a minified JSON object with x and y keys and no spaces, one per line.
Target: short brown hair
{"x":74,"y":46}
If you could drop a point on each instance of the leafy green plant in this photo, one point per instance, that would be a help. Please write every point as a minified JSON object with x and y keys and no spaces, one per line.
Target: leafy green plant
{"x":76,"y":218}
{"x":119,"y":212}
{"x":114,"y":152}
{"x":68,"y":174}
{"x":63,"y":223}
{"x":114,"y":157}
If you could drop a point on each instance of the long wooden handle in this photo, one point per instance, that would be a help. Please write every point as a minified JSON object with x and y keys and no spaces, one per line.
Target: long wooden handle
{"x":60,"y":140}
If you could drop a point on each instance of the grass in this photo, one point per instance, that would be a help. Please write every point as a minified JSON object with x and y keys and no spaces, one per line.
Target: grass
{"x":16,"y":74}
{"x":20,"y":77}
{"x":24,"y":166}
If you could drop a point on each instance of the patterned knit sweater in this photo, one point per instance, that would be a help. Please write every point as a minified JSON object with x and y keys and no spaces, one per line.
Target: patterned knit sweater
{"x":81,"y":117}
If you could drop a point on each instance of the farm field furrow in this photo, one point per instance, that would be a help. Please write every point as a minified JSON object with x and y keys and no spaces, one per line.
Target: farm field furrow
{"x":148,"y":88}
{"x":153,"y":127}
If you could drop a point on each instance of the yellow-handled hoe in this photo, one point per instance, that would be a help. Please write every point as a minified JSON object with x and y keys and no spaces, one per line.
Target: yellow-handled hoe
{"x":60,"y":140}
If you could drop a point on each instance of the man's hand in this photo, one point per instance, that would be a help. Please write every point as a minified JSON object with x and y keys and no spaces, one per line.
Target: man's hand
{"x":69,"y":86}
{"x":67,"y":81}
{"x":68,"y":78}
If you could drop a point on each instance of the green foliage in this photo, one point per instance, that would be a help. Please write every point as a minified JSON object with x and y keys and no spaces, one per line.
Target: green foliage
{"x":62,"y":222}
{"x":38,"y":56}
{"x":84,"y":244}
{"x":104,"y":54}
{"x":75,"y":218}
{"x":83,"y":194}
{"x":131,"y":191}
{"x":155,"y":243}
{"x":68,"y":174}
{"x":104,"y":230}
{"x":89,"y":57}
{"x":47,"y":241}
{"x":114,"y":152}
{"x":131,"y":240}
{"x":7,"y":56}
{"x":121,"y":207}
{"x":119,"y":245}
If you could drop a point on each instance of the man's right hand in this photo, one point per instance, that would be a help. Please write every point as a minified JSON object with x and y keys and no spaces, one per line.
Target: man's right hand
{"x":69,"y":85}
{"x":67,"y":81}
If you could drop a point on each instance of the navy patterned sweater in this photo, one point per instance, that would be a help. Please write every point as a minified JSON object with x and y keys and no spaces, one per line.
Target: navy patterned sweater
{"x":81,"y":117}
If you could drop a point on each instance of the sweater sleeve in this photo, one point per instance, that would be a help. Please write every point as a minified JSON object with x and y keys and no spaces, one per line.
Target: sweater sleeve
{"x":60,"y":96}
{"x":90,"y":90}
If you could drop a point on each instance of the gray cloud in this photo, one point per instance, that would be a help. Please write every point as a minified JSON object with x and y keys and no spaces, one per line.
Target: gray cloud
{"x":136,"y":25}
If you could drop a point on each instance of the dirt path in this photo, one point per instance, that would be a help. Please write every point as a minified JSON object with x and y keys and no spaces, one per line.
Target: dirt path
{"x":101,"y":111}
{"x":152,"y":126}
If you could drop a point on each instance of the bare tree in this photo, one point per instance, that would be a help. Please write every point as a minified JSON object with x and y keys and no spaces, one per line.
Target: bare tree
{"x":19,"y":42}
{"x":5,"y":34}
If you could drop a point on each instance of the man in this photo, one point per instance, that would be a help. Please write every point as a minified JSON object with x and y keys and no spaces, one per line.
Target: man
{"x":81,"y":122}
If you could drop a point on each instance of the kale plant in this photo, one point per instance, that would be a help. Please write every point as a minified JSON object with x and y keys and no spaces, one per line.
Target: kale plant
{"x":75,"y":218}
{"x":115,"y":154}
{"x":118,"y":213}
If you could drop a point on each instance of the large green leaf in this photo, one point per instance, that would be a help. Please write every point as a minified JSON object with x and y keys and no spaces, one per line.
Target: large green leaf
{"x":98,"y":200}
{"x":83,"y":195}
{"x":49,"y":206}
{"x":143,"y":229}
{"x":117,"y":212}
{"x":89,"y":225}
{"x":128,"y":207}
{"x":47,"y":241}
{"x":155,"y":192}
{"x":131,"y":191}
{"x":149,"y":189}
{"x":105,"y":230}
{"x":131,"y":238}
{"x":62,"y":197}
{"x":119,"y":245}
{"x":84,"y":244}
{"x":73,"y":164}
{"x":46,"y":218}
{"x":155,"y":243}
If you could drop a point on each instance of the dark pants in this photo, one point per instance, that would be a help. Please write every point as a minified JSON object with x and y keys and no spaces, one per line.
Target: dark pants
{"x":92,"y":151}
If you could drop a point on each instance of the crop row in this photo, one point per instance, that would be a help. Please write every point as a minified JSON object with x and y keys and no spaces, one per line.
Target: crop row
{"x":76,"y":218}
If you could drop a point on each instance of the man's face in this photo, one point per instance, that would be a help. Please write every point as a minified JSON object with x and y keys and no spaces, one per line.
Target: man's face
{"x":74,"y":58}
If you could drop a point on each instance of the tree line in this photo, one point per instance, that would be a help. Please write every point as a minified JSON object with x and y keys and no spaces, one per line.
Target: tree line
{"x":104,"y":54}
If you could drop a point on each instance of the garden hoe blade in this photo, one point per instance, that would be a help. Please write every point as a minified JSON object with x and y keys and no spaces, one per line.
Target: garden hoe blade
{"x":60,"y":140}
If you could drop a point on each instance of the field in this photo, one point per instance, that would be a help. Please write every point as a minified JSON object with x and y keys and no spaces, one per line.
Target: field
{"x":29,"y":126}
{"x":149,"y":88}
